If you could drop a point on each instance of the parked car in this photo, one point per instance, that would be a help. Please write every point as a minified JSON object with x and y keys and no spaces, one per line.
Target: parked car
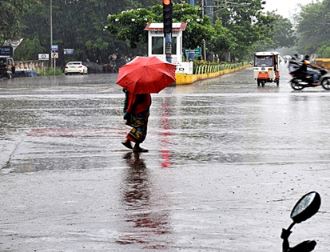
{"x":7,"y":67}
{"x":75,"y":67}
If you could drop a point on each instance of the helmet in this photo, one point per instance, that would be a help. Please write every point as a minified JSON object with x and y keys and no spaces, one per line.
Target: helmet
{"x":306,"y":57}
{"x":295,"y":56}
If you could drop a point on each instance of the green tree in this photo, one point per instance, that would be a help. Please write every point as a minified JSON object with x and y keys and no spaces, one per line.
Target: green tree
{"x":223,"y":42}
{"x":275,"y":32}
{"x":313,"y":26}
{"x":242,"y":18}
{"x":29,"y":49}
{"x":198,"y":29}
{"x":324,"y":51}
{"x":283,"y":33}
{"x":129,"y":25}
{"x":11,"y":12}
{"x":78,"y":24}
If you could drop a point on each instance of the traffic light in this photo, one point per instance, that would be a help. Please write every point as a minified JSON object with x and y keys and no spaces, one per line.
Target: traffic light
{"x":167,"y":16}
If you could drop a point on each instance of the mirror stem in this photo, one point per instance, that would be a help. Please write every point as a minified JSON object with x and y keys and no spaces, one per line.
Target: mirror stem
{"x":285,"y":236}
{"x":291,"y":226}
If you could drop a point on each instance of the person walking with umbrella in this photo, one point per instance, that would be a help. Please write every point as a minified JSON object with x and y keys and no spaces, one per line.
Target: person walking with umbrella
{"x":139,"y":78}
{"x":136,"y":114}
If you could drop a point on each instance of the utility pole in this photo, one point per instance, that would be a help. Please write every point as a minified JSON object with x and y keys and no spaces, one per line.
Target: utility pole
{"x":51,"y":30}
{"x":203,"y":41}
{"x":203,"y":9}
{"x":52,"y":50}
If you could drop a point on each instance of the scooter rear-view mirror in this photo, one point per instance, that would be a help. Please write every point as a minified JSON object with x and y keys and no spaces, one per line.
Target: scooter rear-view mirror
{"x":306,"y":207}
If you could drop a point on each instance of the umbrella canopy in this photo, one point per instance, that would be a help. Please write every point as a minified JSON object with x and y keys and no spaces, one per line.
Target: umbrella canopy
{"x":146,"y":75}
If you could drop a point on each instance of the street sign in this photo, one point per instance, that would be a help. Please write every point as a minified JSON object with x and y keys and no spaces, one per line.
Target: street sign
{"x":43,"y":56}
{"x":6,"y":51}
{"x":68,"y":51}
{"x":13,"y":43}
{"x":198,"y":52}
{"x":54,"y":48}
{"x":192,"y":54}
{"x":54,"y":55}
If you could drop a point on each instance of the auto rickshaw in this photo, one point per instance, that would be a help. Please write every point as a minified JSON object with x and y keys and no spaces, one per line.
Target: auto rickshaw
{"x":266,"y":68}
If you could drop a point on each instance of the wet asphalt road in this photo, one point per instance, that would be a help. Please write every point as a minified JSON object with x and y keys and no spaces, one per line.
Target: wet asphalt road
{"x":227,"y":162}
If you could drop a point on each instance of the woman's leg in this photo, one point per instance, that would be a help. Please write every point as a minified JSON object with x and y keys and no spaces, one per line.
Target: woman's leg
{"x":138,"y":132}
{"x":127,"y":143}
{"x":137,"y":148}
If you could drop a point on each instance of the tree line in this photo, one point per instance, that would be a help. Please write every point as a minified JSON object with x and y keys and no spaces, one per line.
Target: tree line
{"x":236,"y":30}
{"x":99,"y":29}
{"x":77,"y":24}
{"x":313,"y":29}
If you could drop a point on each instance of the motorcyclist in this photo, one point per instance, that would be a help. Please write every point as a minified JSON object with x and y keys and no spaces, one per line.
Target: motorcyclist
{"x":294,"y":63}
{"x":311,"y":69}
{"x":295,"y":57}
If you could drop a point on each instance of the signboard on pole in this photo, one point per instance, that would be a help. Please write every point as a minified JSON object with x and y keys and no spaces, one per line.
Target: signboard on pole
{"x":193,"y":54}
{"x":54,"y":55}
{"x":43,"y":56}
{"x":13,"y":43}
{"x":54,"y":48}
{"x":6,"y":51}
{"x":68,"y":51}
{"x":198,"y":52}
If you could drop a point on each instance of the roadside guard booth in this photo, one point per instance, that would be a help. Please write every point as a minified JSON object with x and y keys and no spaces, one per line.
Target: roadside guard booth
{"x":156,"y":45}
{"x":266,"y":68}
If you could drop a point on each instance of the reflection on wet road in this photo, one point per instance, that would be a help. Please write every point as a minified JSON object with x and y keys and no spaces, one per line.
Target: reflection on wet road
{"x":227,"y":161}
{"x":147,"y":223}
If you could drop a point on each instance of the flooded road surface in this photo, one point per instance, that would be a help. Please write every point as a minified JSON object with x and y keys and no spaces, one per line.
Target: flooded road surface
{"x":226,"y":163}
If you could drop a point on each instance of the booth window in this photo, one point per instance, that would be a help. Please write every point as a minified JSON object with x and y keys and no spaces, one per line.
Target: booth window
{"x":157,"y":45}
{"x":173,"y":45}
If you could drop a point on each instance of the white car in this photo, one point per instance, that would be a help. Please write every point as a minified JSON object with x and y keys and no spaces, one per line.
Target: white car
{"x":75,"y":67}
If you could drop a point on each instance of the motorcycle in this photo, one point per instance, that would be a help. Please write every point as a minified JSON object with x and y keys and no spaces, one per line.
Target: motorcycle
{"x":301,"y":80}
{"x":305,"y":208}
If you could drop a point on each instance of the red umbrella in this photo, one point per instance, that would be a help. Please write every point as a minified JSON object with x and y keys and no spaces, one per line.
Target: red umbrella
{"x":146,"y":75}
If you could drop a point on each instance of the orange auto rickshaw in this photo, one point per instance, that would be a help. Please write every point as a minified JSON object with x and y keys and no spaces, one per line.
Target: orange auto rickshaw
{"x":266,"y":68}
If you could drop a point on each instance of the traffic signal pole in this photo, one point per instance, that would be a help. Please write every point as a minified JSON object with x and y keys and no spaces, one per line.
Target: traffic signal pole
{"x":167,"y":22}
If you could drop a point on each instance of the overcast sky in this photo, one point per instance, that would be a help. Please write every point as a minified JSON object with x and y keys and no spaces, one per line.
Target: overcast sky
{"x":286,"y":8}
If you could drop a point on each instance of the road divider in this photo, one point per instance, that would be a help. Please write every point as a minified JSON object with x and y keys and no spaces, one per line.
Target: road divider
{"x":324,"y":62}
{"x":203,"y":72}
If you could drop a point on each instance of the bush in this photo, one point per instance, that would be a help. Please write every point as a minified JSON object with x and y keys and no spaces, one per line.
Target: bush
{"x":50,"y":71}
{"x":324,"y":51}
{"x":29,"y":49}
